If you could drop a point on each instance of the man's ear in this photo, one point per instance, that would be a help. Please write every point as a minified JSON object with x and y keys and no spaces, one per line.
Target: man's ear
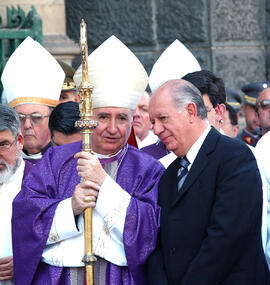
{"x":20,"y":140}
{"x":220,"y":110}
{"x":192,"y":111}
{"x":235,"y":130}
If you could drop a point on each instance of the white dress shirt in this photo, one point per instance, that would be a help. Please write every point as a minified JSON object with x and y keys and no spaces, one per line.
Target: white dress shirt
{"x":192,"y":153}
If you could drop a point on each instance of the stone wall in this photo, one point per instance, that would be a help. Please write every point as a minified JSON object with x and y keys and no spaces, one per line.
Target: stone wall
{"x":229,"y":37}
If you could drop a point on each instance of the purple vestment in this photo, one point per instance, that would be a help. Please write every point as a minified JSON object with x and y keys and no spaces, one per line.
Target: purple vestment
{"x":157,"y":150}
{"x":53,"y":179}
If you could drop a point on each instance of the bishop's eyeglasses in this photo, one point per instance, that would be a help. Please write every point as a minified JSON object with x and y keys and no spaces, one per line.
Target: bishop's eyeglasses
{"x":35,"y":118}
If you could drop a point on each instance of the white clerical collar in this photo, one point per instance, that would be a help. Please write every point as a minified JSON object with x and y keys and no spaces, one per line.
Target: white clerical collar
{"x":148,"y":140}
{"x":193,"y":151}
{"x":99,"y":155}
{"x":32,"y":156}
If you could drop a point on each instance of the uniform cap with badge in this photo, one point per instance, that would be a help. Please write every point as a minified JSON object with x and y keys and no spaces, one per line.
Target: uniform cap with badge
{"x":234,"y":98}
{"x":252,"y":90}
{"x":250,"y":95}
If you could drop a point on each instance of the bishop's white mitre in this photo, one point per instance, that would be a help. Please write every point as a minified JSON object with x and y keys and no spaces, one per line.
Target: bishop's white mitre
{"x":32,"y":75}
{"x":117,"y":75}
{"x":175,"y":62}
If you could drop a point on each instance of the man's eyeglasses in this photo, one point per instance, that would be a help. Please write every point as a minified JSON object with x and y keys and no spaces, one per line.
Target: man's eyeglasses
{"x":6,"y":145}
{"x":35,"y":118}
{"x":264,"y":104}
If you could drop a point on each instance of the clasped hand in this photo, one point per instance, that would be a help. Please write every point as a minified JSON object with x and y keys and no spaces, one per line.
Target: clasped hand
{"x":93,"y":175}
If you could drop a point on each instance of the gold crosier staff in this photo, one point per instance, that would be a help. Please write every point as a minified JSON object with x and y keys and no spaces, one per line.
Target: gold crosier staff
{"x":86,"y":124}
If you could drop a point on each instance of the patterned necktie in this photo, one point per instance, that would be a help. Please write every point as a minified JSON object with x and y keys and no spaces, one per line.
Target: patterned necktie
{"x":182,"y":172}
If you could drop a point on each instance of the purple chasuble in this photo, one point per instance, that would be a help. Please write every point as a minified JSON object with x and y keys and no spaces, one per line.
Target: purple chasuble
{"x":54,"y":179}
{"x":157,"y":150}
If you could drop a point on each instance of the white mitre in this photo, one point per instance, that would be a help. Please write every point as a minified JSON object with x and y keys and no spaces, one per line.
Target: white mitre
{"x":32,"y":75}
{"x":174,"y":63}
{"x":118,"y":77}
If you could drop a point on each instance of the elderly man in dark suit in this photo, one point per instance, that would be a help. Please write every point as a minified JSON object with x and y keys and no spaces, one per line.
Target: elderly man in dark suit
{"x":210,"y":198}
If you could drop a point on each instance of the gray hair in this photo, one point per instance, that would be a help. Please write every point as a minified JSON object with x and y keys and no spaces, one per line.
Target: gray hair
{"x":183,"y":92}
{"x":9,"y":120}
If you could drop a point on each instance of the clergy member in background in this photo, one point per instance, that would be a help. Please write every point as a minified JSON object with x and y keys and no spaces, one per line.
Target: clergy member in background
{"x":141,"y":123}
{"x":32,"y":80}
{"x":174,"y":63}
{"x":12,"y":169}
{"x":62,"y":123}
{"x":119,"y":183}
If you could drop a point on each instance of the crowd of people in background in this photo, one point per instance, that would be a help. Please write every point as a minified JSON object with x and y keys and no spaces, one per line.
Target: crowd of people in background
{"x":187,"y":203}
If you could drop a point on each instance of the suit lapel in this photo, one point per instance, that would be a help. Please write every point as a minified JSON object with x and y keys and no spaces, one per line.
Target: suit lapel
{"x":199,"y":163}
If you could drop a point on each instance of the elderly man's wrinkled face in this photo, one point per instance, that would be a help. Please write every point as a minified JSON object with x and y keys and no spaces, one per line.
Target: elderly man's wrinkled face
{"x":10,"y":150}
{"x":170,"y":125}
{"x":34,"y":126}
{"x":113,"y":130}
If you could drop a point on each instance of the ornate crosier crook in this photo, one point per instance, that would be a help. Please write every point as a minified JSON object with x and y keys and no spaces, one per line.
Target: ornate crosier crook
{"x":87,"y":125}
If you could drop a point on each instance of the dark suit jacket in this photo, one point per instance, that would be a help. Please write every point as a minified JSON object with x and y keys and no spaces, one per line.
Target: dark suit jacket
{"x":211,"y":230}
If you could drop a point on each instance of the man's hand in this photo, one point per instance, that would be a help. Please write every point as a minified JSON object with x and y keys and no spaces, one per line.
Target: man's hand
{"x":84,"y":196}
{"x":89,"y":167}
{"x":6,"y":268}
